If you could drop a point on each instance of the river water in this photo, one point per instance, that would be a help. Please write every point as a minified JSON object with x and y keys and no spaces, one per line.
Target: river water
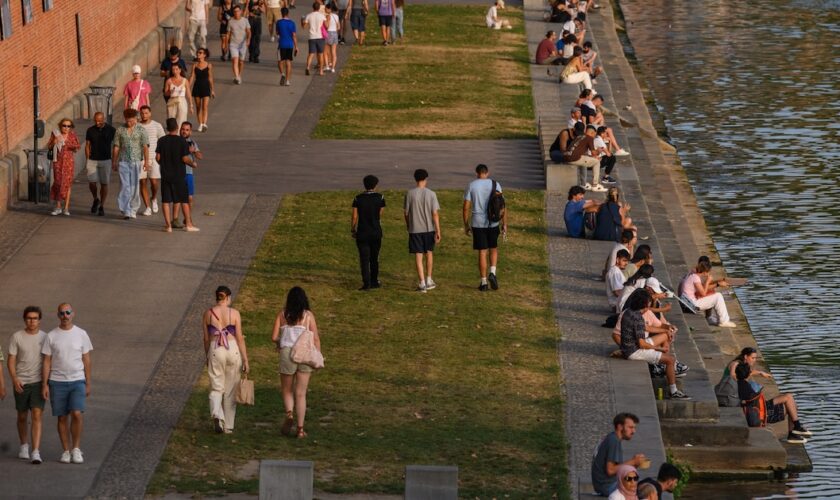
{"x":750,"y":97}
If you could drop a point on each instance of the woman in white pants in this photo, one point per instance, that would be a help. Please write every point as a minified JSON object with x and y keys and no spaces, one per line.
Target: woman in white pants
{"x":698,"y":289}
{"x":575,"y":71}
{"x":224,"y":344}
{"x":177,"y":89}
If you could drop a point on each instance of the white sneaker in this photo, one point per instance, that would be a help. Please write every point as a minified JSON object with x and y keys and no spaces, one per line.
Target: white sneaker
{"x":36,"y":457}
{"x":65,"y":212}
{"x":332,"y":70}
{"x":430,"y":284}
{"x":133,"y":215}
{"x":65,"y":457}
{"x":23,"y":454}
{"x":587,"y":186}
{"x":727,"y":324}
{"x":155,"y":207}
{"x":77,"y":456}
{"x":57,"y":211}
{"x":272,"y":38}
{"x":598,"y":188}
{"x":622,"y":152}
{"x":421,"y":288}
{"x":147,"y":212}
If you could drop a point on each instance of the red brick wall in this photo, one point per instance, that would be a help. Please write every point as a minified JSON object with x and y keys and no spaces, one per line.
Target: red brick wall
{"x":110,"y":28}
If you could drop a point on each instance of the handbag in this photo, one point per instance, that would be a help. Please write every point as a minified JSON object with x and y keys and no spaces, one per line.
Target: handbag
{"x":304,"y":351}
{"x":245,"y":391}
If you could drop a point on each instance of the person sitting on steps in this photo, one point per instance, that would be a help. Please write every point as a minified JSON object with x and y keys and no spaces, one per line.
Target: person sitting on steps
{"x":775,"y":407}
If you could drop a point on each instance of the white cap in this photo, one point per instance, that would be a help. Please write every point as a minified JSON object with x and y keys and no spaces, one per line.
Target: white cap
{"x":653,"y":284}
{"x":136,"y":69}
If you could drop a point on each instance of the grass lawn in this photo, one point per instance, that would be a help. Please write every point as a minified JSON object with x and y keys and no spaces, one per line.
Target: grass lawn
{"x":451,"y":79}
{"x":454,"y":376}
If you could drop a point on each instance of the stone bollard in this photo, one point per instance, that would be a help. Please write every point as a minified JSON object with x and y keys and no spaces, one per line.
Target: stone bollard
{"x":286,"y":480}
{"x":431,"y":482}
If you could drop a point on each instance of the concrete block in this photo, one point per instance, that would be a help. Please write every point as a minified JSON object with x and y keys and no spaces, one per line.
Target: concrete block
{"x":286,"y":480}
{"x":559,"y":177}
{"x":431,"y":482}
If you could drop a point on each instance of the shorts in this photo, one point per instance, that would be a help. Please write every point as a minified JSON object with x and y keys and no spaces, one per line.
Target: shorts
{"x":190,"y":184}
{"x":285,"y":54}
{"x":174,"y":192}
{"x":289,"y":367}
{"x":99,"y":171}
{"x":30,"y":398}
{"x":386,"y":20}
{"x":650,"y":356}
{"x":357,"y":20}
{"x":316,"y":46}
{"x":341,"y":14}
{"x":485,"y":237}
{"x":223,"y":27}
{"x":273,"y":15}
{"x":775,"y":413}
{"x":332,"y":37}
{"x":152,"y":173}
{"x":239,"y":50}
{"x":421,"y":242}
{"x":66,"y":397}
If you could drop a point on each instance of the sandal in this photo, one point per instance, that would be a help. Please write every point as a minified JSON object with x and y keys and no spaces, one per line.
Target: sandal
{"x":300,"y":432}
{"x":286,"y":429}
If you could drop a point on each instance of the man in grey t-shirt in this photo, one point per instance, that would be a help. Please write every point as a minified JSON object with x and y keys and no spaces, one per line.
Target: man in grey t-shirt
{"x":609,"y":454}
{"x":476,"y":222}
{"x":421,"y":218}
{"x":25,"y":365}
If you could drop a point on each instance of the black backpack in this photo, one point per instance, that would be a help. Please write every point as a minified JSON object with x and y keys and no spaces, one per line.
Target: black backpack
{"x":496,"y":205}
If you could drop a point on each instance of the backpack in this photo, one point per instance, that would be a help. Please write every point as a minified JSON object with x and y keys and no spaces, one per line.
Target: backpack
{"x":727,"y":391}
{"x":756,"y":411}
{"x":496,"y":205}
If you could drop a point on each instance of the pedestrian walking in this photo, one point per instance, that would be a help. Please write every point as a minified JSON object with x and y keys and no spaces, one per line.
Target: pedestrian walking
{"x":365,"y":227}
{"x":179,"y":96}
{"x":151,"y":177}
{"x":485,"y":232}
{"x":421,"y":211}
{"x":195,"y":155}
{"x":227,"y":356}
{"x":224,"y":14}
{"x":295,"y":318}
{"x":25,"y":366}
{"x":341,"y":6}
{"x":385,"y":11}
{"x":98,"y":139}
{"x":198,"y":11}
{"x":203,"y":86}
{"x":136,"y":90}
{"x":331,"y":50}
{"x":255,"y":10}
{"x":272,"y":12}
{"x":287,"y":47}
{"x":131,"y":154}
{"x":166,"y":66}
{"x":397,"y":29}
{"x":66,"y":380}
{"x":358,"y":11}
{"x":173,"y":154}
{"x":63,"y":145}
{"x":239,"y":37}
{"x":314,"y":22}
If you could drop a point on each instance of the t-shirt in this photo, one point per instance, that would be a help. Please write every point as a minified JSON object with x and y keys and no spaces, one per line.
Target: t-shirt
{"x":238,"y":30}
{"x":578,"y":147}
{"x":478,"y":194}
{"x":490,"y":19}
{"x":314,"y":20}
{"x":615,"y":281}
{"x":198,"y":9}
{"x":333,"y":23}
{"x":384,"y":8}
{"x":573,"y":215}
{"x":172,"y":150}
{"x":632,"y":329}
{"x":167,"y":64}
{"x":191,"y":142}
{"x":138,"y":87}
{"x":286,"y":30}
{"x":368,"y":205}
{"x":651,"y":283}
{"x":342,"y":4}
{"x":66,"y":348}
{"x":273,"y":4}
{"x":27,"y":349}
{"x":155,"y":131}
{"x":100,"y":141}
{"x":687,"y":287}
{"x":599,"y":144}
{"x":544,"y":50}
{"x":421,"y":205}
{"x":609,"y":450}
{"x":587,"y":113}
{"x":569,"y":26}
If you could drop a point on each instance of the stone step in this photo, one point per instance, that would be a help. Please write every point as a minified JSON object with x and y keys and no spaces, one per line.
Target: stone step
{"x":731,"y":429}
{"x":763,"y":451}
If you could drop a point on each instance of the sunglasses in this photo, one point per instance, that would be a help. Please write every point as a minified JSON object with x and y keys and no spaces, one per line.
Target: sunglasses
{"x":65,"y":313}
{"x":632,"y":479}
{"x":66,"y":125}
{"x":32,"y":318}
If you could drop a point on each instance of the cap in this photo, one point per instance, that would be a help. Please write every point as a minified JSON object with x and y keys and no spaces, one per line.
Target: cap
{"x":136,"y":69}
{"x":653,"y":284}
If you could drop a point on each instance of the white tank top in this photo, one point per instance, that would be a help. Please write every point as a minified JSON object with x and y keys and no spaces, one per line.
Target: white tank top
{"x":179,"y":90}
{"x":289,"y":334}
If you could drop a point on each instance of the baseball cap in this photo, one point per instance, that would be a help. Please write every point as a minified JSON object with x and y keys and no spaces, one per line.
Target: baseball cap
{"x":136,"y":69}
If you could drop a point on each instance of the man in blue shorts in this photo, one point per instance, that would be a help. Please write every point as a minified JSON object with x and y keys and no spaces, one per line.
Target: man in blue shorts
{"x":484,"y":232}
{"x":195,"y":154}
{"x":287,"y":47}
{"x":66,"y":380}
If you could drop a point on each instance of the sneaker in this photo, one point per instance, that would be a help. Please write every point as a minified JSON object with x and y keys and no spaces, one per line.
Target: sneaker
{"x":800,"y":430}
{"x":678,"y":394}
{"x":494,"y":282}
{"x":65,"y":457}
{"x":101,"y":212}
{"x":795,"y":439}
{"x":133,"y":215}
{"x":147,"y":212}
{"x":288,"y":83}
{"x":599,"y":188}
{"x":126,"y":217}
{"x":430,"y":284}
{"x":36,"y":457}
{"x":332,"y":70}
{"x":622,"y":152}
{"x":155,"y":207}
{"x":483,"y":287}
{"x":727,"y":324}
{"x":23,"y":454}
{"x":681,"y":369}
{"x":364,"y":288}
{"x":657,"y":371}
{"x":95,"y":206}
{"x":56,"y":211}
{"x":607,"y":180}
{"x":218,"y":425}
{"x":177,"y":224}
{"x":65,"y":212}
{"x":76,"y":455}
{"x":282,"y":79}
{"x":421,"y":288}
{"x":272,"y":38}
{"x":192,"y":229}
{"x":307,"y":72}
{"x":376,"y":284}
{"x":587,"y":186}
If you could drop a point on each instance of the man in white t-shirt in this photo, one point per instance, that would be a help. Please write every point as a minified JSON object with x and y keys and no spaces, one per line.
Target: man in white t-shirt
{"x":66,"y":380}
{"x":313,"y":22}
{"x":25,"y":372}
{"x":492,"y":18}
{"x":151,"y":176}
{"x":615,"y":278}
{"x":198,"y":11}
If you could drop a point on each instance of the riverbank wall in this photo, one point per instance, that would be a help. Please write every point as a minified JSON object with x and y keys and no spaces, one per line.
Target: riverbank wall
{"x":714,"y":441}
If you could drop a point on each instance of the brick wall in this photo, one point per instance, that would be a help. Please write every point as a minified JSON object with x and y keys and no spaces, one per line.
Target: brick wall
{"x":110,"y":28}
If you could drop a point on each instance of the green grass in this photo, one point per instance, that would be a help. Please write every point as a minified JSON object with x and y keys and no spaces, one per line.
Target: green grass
{"x":451,"y":79}
{"x":454,"y":376}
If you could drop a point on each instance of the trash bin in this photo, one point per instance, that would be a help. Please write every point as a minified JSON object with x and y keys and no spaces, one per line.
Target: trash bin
{"x":99,"y":100}
{"x":43,"y":171}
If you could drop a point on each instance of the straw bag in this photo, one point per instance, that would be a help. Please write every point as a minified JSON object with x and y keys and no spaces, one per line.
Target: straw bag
{"x":245,"y":391}
{"x":304,"y":351}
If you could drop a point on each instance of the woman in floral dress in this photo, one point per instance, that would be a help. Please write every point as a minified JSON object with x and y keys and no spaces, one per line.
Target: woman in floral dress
{"x":64,"y":144}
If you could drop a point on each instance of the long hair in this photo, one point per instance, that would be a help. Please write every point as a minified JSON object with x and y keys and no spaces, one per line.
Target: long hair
{"x":297,"y":304}
{"x":646,"y":271}
{"x":742,"y":358}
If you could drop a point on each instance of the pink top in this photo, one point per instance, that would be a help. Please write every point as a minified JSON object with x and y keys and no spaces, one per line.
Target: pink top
{"x":134,"y":88}
{"x":687,"y":287}
{"x":651,"y":319}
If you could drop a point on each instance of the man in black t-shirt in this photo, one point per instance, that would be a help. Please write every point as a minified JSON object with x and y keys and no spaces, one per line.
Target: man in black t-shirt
{"x":666,"y":480}
{"x":173,"y":154}
{"x":365,"y":227}
{"x":98,"y":139}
